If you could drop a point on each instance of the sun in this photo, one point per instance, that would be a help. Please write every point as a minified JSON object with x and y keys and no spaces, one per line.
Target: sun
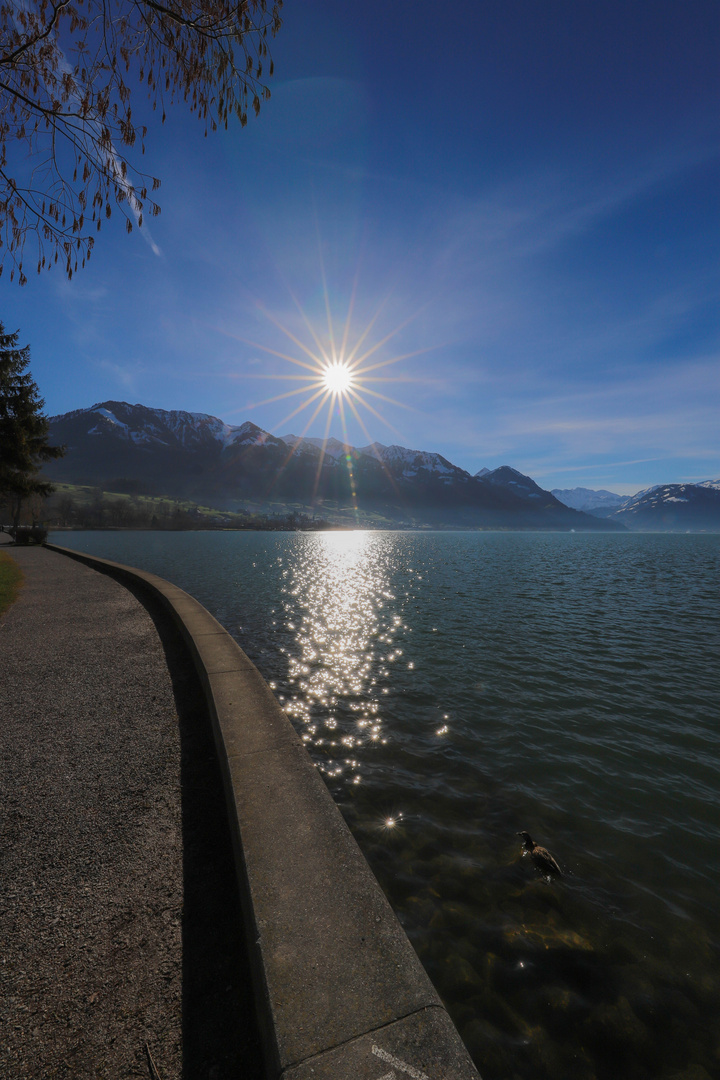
{"x":338,"y":378}
{"x":337,"y":373}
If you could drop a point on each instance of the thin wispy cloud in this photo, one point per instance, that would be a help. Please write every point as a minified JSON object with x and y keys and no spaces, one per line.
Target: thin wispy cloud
{"x":125,"y":375}
{"x":88,"y":122}
{"x":543,"y":210}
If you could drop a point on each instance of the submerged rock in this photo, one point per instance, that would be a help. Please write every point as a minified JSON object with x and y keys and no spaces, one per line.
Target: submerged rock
{"x":547,"y":936}
{"x":692,"y":1072}
{"x":617,"y":1025}
{"x":459,"y":976}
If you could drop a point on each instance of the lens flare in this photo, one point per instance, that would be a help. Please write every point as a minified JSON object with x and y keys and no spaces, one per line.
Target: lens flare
{"x":339,"y":373}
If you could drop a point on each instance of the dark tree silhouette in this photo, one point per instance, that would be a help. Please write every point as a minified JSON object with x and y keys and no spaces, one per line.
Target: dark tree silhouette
{"x":23,"y":429}
{"x":66,"y":67}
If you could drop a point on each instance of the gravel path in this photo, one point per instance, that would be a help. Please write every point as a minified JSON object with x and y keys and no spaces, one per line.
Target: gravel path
{"x":118,"y":916}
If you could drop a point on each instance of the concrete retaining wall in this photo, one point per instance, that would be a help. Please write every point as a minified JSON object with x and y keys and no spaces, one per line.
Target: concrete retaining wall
{"x":341,"y":992}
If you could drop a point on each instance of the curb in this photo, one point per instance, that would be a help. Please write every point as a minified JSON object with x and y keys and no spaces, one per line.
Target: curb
{"x":341,"y":992}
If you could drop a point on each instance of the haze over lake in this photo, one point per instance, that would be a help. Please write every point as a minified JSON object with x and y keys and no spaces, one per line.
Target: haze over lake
{"x":455,"y":688}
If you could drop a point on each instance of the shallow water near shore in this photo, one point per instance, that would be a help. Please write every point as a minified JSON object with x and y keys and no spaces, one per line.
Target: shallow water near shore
{"x":455,"y":688}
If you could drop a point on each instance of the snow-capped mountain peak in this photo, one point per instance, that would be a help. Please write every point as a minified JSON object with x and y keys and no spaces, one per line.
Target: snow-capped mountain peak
{"x":398,"y":459}
{"x":410,"y":462}
{"x":507,"y":477}
{"x":332,"y":448}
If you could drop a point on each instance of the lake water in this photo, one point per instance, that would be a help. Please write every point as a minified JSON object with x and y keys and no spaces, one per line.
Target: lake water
{"x":455,"y":688}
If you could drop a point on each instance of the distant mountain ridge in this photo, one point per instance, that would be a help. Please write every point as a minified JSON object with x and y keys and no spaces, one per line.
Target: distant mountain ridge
{"x":195,"y":455}
{"x":661,"y":508}
{"x":582,"y":498}
{"x":673,"y":508}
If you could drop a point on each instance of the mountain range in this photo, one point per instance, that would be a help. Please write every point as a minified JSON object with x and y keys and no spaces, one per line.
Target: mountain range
{"x":136,"y":449}
{"x":132,"y":448}
{"x":662,"y":508}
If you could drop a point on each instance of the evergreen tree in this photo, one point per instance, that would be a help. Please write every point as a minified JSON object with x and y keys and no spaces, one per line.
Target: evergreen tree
{"x":23,"y":428}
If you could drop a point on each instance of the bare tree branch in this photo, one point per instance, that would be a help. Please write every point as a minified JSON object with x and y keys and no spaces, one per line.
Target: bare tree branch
{"x":12,"y":58}
{"x":65,"y":105}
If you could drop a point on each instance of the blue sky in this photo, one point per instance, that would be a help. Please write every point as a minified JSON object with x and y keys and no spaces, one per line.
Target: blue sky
{"x":523,"y":195}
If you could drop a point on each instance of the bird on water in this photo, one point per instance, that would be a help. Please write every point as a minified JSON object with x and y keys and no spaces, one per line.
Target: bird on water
{"x":545,"y":862}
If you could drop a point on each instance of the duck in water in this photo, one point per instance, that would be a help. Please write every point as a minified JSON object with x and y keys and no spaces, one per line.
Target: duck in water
{"x":545,"y":862}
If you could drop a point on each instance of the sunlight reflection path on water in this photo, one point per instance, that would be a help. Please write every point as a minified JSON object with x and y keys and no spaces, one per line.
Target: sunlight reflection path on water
{"x":336,"y":601}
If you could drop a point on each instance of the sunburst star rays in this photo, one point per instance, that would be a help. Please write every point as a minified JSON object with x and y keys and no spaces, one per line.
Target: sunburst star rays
{"x":336,"y":372}
{"x":337,"y":375}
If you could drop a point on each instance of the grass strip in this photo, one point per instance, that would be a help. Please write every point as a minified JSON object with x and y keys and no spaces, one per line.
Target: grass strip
{"x":11,"y":578}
